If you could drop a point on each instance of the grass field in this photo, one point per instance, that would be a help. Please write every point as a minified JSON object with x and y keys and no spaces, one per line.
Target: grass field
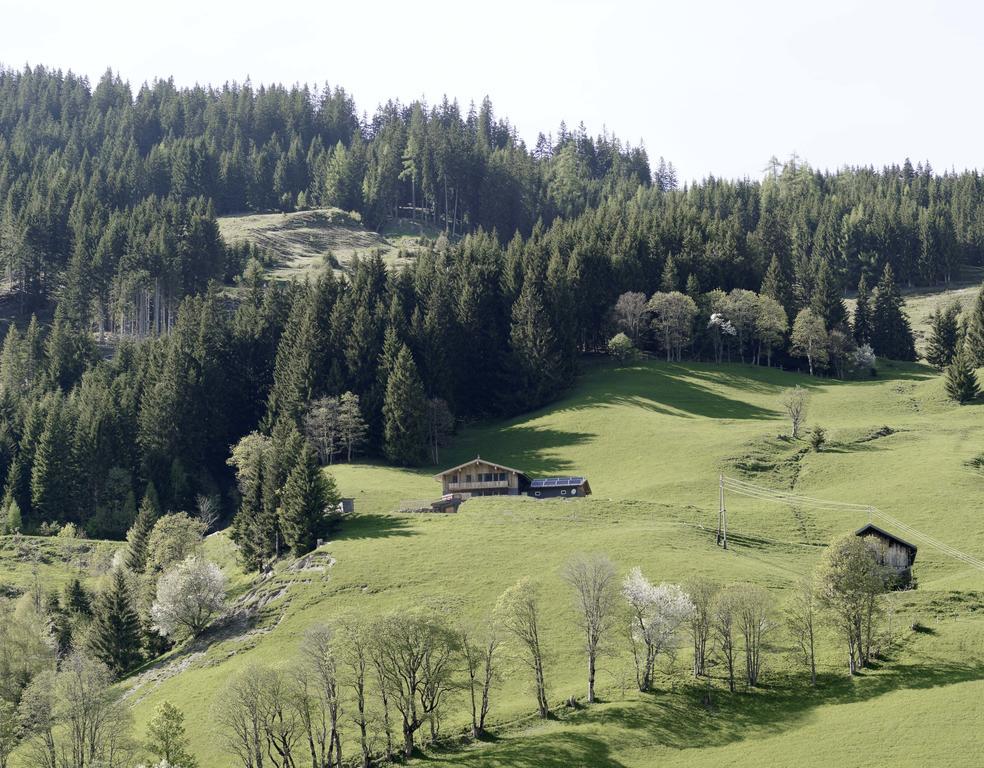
{"x":300,"y":241}
{"x":652,"y":438}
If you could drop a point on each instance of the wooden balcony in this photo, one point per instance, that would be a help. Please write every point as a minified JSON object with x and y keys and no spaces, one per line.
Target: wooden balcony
{"x":476,"y":486}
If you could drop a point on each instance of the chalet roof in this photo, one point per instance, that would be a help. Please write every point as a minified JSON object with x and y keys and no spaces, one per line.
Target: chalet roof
{"x":558,"y":482}
{"x":478,"y":460}
{"x":871,"y":528}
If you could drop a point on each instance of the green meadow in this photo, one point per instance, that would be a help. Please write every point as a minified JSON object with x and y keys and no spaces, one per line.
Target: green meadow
{"x":653,"y":438}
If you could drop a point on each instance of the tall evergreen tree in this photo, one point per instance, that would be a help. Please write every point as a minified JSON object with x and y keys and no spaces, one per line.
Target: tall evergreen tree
{"x":136,"y":537}
{"x":891,"y":334}
{"x":862,"y":313}
{"x":960,"y":381}
{"x":115,"y":635}
{"x":944,"y":335}
{"x":405,"y":413}
{"x":308,"y":499}
{"x":974,"y":337}
{"x":826,"y":301}
{"x":536,"y":357}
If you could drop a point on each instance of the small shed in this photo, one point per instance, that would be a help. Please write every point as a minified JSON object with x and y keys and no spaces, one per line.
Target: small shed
{"x":559,"y":487}
{"x":895,"y":554}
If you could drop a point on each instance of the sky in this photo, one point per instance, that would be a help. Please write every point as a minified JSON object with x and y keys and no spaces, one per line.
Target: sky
{"x":714,"y":87}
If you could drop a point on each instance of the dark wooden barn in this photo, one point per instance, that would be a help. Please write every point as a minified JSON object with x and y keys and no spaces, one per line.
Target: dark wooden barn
{"x":894,"y":554}
{"x":559,"y":487}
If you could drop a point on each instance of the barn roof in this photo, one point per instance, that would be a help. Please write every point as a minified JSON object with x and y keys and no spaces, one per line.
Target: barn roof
{"x":479,"y":460}
{"x":871,"y":528}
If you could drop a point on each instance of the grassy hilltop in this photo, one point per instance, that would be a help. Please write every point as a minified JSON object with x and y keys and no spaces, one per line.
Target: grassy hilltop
{"x":652,"y":439}
{"x":300,"y":240}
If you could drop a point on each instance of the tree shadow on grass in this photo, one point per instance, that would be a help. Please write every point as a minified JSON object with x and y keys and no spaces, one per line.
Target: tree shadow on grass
{"x":681,"y":721}
{"x":528,"y":448}
{"x":373,"y":527}
{"x":550,"y":750}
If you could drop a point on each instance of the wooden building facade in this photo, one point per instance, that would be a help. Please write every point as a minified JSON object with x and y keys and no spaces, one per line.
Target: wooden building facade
{"x":894,"y":554}
{"x":482,"y":478}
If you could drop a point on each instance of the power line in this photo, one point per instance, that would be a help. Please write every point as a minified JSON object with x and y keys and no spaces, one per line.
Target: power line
{"x":761,"y":493}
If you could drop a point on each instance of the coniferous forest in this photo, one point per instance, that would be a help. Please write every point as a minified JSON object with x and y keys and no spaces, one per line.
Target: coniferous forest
{"x":143,"y":347}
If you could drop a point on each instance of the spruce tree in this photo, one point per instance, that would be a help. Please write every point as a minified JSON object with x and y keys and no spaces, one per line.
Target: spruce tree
{"x":405,"y":413}
{"x":944,"y":335}
{"x":774,"y":284}
{"x":77,"y":598}
{"x":826,"y":301}
{"x":305,"y":501}
{"x":974,"y":339}
{"x":536,"y":356}
{"x":136,"y":538}
{"x":52,"y":474}
{"x":669,"y":281}
{"x":115,"y":636}
{"x":862,"y":313}
{"x":960,"y":380}
{"x":891,"y":335}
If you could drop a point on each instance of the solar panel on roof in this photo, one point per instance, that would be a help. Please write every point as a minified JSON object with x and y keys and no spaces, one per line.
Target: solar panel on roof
{"x":556,"y":482}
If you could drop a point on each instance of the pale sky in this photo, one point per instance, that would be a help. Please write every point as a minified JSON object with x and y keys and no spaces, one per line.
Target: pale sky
{"x":715,"y":87}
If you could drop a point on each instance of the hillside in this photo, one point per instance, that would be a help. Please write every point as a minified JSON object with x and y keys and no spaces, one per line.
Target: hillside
{"x":300,"y":241}
{"x":652,"y":438}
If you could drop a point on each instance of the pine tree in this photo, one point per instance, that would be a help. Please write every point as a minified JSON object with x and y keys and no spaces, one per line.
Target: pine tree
{"x":774,"y":284}
{"x":862,"y":313}
{"x":136,"y":537}
{"x":536,"y":357}
{"x":77,"y":598}
{"x":52,"y":474}
{"x":693,"y":286}
{"x":305,"y":503}
{"x":944,"y":335}
{"x":826,"y":301}
{"x":961,"y":382}
{"x":891,"y":335}
{"x":669,"y":281}
{"x":115,"y":636}
{"x":405,"y":413}
{"x":974,"y":339}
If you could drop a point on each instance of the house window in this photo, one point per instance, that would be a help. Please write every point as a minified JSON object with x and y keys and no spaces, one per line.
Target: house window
{"x":573,"y":491}
{"x":467,"y":478}
{"x":563,"y":493}
{"x":536,"y":493}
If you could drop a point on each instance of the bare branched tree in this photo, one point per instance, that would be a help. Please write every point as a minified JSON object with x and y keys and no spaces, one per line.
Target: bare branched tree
{"x":355,"y":655}
{"x":518,"y":611}
{"x":753,"y":616}
{"x":322,"y":709}
{"x":801,"y":618}
{"x":794,"y":402}
{"x":701,"y":593}
{"x":479,"y":645}
{"x":594,"y":581}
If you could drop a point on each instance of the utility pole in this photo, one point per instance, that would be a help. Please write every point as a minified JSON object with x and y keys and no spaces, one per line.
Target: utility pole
{"x":722,"y":532}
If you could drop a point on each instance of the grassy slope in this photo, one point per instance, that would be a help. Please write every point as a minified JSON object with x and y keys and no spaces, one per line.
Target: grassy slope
{"x":652,"y":438}
{"x":300,"y":240}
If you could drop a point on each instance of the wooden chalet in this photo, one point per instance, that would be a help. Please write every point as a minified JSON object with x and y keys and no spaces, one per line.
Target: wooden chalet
{"x":894,"y":554}
{"x":480,"y":477}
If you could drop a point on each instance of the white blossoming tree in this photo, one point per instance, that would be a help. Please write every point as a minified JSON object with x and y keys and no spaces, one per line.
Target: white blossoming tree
{"x":657,"y":614}
{"x":189,"y":596}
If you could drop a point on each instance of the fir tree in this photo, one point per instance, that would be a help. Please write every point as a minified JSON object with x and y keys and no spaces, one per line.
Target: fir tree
{"x":944,"y":335}
{"x":974,"y":338}
{"x":77,"y":599}
{"x":670,"y":279}
{"x":826,"y":301}
{"x":405,"y":413}
{"x":115,"y":636}
{"x":536,"y":357}
{"x":693,"y":286}
{"x":891,"y":335}
{"x":52,"y":474}
{"x":960,"y":381}
{"x":774,"y":284}
{"x":862,"y":313}
{"x":136,"y":537}
{"x":305,"y":503}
